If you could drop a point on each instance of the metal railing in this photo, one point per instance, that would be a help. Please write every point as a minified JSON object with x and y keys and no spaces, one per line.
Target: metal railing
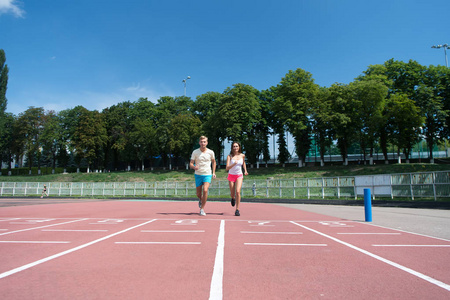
{"x":408,"y":185}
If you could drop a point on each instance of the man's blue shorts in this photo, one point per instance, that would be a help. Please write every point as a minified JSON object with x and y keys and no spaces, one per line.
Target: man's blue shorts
{"x":200,"y":179}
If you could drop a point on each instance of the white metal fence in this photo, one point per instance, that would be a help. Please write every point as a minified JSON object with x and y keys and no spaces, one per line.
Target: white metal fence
{"x":409,"y":185}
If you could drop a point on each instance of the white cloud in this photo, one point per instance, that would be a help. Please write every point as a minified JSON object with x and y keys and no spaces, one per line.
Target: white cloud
{"x":92,"y":100}
{"x":11,"y":6}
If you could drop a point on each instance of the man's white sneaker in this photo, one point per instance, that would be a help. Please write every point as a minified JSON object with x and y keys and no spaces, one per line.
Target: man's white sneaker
{"x":202,"y":212}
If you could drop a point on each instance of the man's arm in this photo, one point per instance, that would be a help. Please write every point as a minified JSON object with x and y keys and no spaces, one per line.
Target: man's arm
{"x":214,"y":168}
{"x":191,"y":165}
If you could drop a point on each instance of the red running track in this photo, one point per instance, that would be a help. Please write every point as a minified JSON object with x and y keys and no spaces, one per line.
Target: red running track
{"x":165,"y":250}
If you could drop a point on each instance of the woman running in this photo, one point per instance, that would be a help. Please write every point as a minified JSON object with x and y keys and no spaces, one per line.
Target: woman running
{"x":235,"y":163}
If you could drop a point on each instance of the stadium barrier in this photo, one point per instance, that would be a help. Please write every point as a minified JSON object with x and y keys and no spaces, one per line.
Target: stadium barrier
{"x":409,"y":185}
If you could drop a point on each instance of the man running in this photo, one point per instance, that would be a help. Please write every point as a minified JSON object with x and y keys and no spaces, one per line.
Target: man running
{"x":201,"y":160}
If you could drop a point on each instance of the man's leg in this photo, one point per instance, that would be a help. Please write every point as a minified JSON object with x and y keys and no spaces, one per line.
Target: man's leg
{"x":199,"y":193}
{"x":205,"y":194}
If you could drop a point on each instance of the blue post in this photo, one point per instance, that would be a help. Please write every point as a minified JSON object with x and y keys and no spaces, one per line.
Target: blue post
{"x":367,"y":205}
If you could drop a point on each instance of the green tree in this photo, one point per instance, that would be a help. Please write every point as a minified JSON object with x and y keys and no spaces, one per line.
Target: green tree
{"x":165,"y":110}
{"x":143,"y":133}
{"x":8,"y":140}
{"x":256,"y":143}
{"x":206,"y":108}
{"x":403,"y":122}
{"x":240,"y":115}
{"x":322,"y":123}
{"x":90,"y":137}
{"x":143,"y":139}
{"x":283,"y":152}
{"x":118,"y":121}
{"x":441,"y":75}
{"x":239,"y":111}
{"x":183,"y":131}
{"x":432,"y":97}
{"x":344,"y":120}
{"x":68,"y":123}
{"x":50,"y":139}
{"x":371,"y":93}
{"x":293,"y":104}
{"x":3,"y":101}
{"x":267,"y":116}
{"x":31,"y":126}
{"x":405,"y":77}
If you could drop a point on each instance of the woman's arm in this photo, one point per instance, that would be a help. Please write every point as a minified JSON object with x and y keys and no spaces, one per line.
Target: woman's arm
{"x":228,"y":167}
{"x":243,"y":165}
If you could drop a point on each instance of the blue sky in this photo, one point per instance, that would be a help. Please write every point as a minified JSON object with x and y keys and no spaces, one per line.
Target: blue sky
{"x":98,"y":53}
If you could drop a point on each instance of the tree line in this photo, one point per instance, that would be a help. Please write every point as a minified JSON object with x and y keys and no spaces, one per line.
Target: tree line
{"x":389,"y":105}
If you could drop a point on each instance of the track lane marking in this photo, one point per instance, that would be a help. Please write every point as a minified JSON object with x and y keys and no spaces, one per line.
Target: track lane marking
{"x":409,"y":232}
{"x":396,"y":265}
{"x":21,"y":230}
{"x":35,"y":242}
{"x":172,"y":231}
{"x":75,"y":230}
{"x":283,"y":244}
{"x":272,"y":232}
{"x":216,"y":289}
{"x":159,"y":243}
{"x":27,"y":266}
{"x":411,"y":245}
{"x":371,"y":233}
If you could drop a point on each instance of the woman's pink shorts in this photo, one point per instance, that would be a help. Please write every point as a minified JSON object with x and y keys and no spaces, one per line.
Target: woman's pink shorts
{"x":233,"y":178}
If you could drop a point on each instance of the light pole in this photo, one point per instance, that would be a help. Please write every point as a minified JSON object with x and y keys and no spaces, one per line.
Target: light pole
{"x":445,"y":46}
{"x":184,"y":81}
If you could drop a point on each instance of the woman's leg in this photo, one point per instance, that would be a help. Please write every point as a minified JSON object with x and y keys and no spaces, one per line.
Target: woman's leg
{"x":232,"y":189}
{"x":238,"y":191}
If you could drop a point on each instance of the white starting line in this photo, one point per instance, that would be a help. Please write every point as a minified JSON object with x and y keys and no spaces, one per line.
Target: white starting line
{"x":271,"y":232}
{"x":371,"y":233}
{"x":284,"y":244}
{"x":35,"y":242}
{"x":76,"y":230}
{"x":411,"y":245}
{"x":159,"y":243}
{"x":172,"y":231}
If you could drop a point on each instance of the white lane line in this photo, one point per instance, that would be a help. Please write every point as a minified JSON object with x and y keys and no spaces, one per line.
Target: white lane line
{"x":42,"y":226}
{"x":76,"y":230}
{"x":173,"y":231}
{"x":414,"y":233}
{"x":34,"y":242}
{"x":271,"y":232}
{"x":22,"y":268}
{"x":411,"y":245}
{"x":160,"y":243}
{"x":3,"y":229}
{"x":396,"y":265}
{"x":371,"y":233}
{"x":216,"y":290}
{"x":282,"y":244}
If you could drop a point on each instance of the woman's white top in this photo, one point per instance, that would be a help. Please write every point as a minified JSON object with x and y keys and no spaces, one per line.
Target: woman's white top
{"x":237,"y":169}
